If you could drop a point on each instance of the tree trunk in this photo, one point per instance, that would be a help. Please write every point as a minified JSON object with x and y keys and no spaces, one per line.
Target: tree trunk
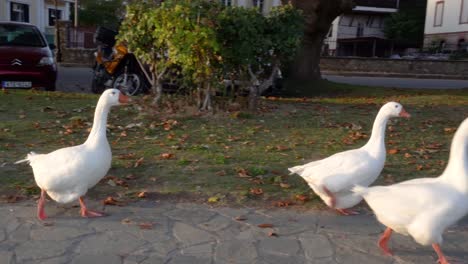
{"x":207,"y":101}
{"x":319,"y":15}
{"x":253,"y":97}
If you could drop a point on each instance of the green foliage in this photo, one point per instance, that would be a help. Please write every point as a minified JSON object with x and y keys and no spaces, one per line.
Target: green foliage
{"x":208,"y":41}
{"x":407,"y":25}
{"x":100,"y":12}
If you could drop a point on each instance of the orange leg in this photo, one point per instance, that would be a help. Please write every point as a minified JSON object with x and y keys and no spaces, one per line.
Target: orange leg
{"x":383,"y":241}
{"x":88,"y":213}
{"x":40,"y":206}
{"x":442,"y":259}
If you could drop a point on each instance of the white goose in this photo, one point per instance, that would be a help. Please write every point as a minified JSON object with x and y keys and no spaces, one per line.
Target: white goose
{"x":332,"y":178}
{"x":425,"y":207}
{"x":66,"y":174}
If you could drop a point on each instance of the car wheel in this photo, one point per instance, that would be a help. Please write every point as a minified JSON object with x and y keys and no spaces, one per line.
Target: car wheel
{"x":131,"y":84}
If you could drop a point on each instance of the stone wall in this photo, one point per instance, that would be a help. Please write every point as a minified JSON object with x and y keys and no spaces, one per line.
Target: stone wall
{"x":395,"y":67}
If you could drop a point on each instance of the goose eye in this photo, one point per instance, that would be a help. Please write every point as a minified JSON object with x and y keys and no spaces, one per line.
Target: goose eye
{"x":113,"y":93}
{"x":396,"y":106}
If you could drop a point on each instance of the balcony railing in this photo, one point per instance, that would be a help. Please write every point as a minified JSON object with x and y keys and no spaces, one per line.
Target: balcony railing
{"x":378,"y":3}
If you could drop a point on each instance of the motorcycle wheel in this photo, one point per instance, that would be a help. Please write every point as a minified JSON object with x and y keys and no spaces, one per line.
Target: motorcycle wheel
{"x":133,"y":85}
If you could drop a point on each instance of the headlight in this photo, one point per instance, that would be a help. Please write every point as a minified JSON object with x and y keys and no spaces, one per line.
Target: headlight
{"x":46,"y":61}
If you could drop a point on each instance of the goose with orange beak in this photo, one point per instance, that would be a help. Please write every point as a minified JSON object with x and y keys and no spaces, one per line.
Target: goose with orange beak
{"x":66,"y":174}
{"x":332,"y":178}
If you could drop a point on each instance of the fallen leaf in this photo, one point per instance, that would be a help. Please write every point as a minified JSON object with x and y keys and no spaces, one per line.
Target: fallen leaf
{"x":142,"y":194}
{"x":167,"y":155}
{"x":265,"y":225}
{"x":256,"y":191}
{"x":130,"y":177}
{"x":213,"y":199}
{"x":283,"y":203}
{"x":450,"y":130}
{"x":146,"y":226}
{"x":285,"y":185}
{"x":392,"y":151}
{"x":138,"y":162}
{"x":302,"y":197}
{"x":272,"y":234}
{"x":407,"y":155}
{"x":111,"y":201}
{"x":243,"y":173}
{"x":281,"y":148}
{"x":126,"y":221}
{"x":123,"y":134}
{"x":221,"y":173}
{"x":419,"y":167}
{"x":240,"y":218}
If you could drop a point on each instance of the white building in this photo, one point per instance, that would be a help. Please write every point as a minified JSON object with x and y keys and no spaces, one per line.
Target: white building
{"x":360,"y":32}
{"x":264,"y":5}
{"x":446,"y":26}
{"x":41,"y":13}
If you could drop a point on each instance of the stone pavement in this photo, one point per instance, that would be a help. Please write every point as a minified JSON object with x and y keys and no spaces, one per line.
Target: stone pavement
{"x":162,"y":232}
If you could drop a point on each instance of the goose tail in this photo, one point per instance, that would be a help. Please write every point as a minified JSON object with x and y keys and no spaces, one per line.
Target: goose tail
{"x":28,"y":158}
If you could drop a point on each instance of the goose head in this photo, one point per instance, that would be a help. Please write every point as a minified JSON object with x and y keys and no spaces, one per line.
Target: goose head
{"x":394,"y":109}
{"x":112,"y":97}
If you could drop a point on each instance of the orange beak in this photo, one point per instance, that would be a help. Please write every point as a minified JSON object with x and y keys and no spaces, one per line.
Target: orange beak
{"x":405,"y":114}
{"x":123,"y":99}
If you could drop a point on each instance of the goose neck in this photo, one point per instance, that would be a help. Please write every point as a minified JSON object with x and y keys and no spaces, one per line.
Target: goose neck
{"x":456,"y":171}
{"x":376,"y":143}
{"x":98,"y":130}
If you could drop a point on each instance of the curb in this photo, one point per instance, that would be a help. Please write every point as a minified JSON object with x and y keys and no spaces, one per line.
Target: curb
{"x":395,"y":75}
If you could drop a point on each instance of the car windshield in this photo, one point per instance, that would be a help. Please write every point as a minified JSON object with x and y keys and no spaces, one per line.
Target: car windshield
{"x":20,"y":35}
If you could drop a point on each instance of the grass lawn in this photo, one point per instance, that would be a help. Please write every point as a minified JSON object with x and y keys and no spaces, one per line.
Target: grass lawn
{"x":228,"y":157}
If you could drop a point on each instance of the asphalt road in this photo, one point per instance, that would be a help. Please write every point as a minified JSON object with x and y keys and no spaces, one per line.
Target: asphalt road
{"x":400,"y":82}
{"x":78,"y":79}
{"x":74,"y":79}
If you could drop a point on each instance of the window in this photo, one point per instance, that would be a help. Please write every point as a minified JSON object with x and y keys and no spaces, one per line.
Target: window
{"x":226,"y":2}
{"x":464,"y":12}
{"x":259,"y":4}
{"x":19,"y":12}
{"x":53,"y":15}
{"x":360,"y":30}
{"x":439,"y":14}
{"x":21,"y":35}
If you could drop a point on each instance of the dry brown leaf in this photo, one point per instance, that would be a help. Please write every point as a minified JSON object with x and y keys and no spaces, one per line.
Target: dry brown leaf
{"x":284,"y":203}
{"x":265,"y":225}
{"x":450,"y":130}
{"x":281,"y":148}
{"x":243,"y":173}
{"x":392,"y":151}
{"x":111,"y":201}
{"x":256,"y":191}
{"x":419,"y":167}
{"x":272,"y":234}
{"x":138,"y":162}
{"x":221,"y":173}
{"x":123,"y":134}
{"x":240,"y":218}
{"x":407,"y":155}
{"x":302,"y":197}
{"x":285,"y":185}
{"x":142,"y":194}
{"x":146,"y":226}
{"x":167,"y":155}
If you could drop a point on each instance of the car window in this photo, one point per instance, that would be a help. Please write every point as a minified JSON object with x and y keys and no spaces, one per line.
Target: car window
{"x":20,"y":35}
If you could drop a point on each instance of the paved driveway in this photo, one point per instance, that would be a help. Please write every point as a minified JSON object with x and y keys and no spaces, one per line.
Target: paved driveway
{"x":183,"y":233}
